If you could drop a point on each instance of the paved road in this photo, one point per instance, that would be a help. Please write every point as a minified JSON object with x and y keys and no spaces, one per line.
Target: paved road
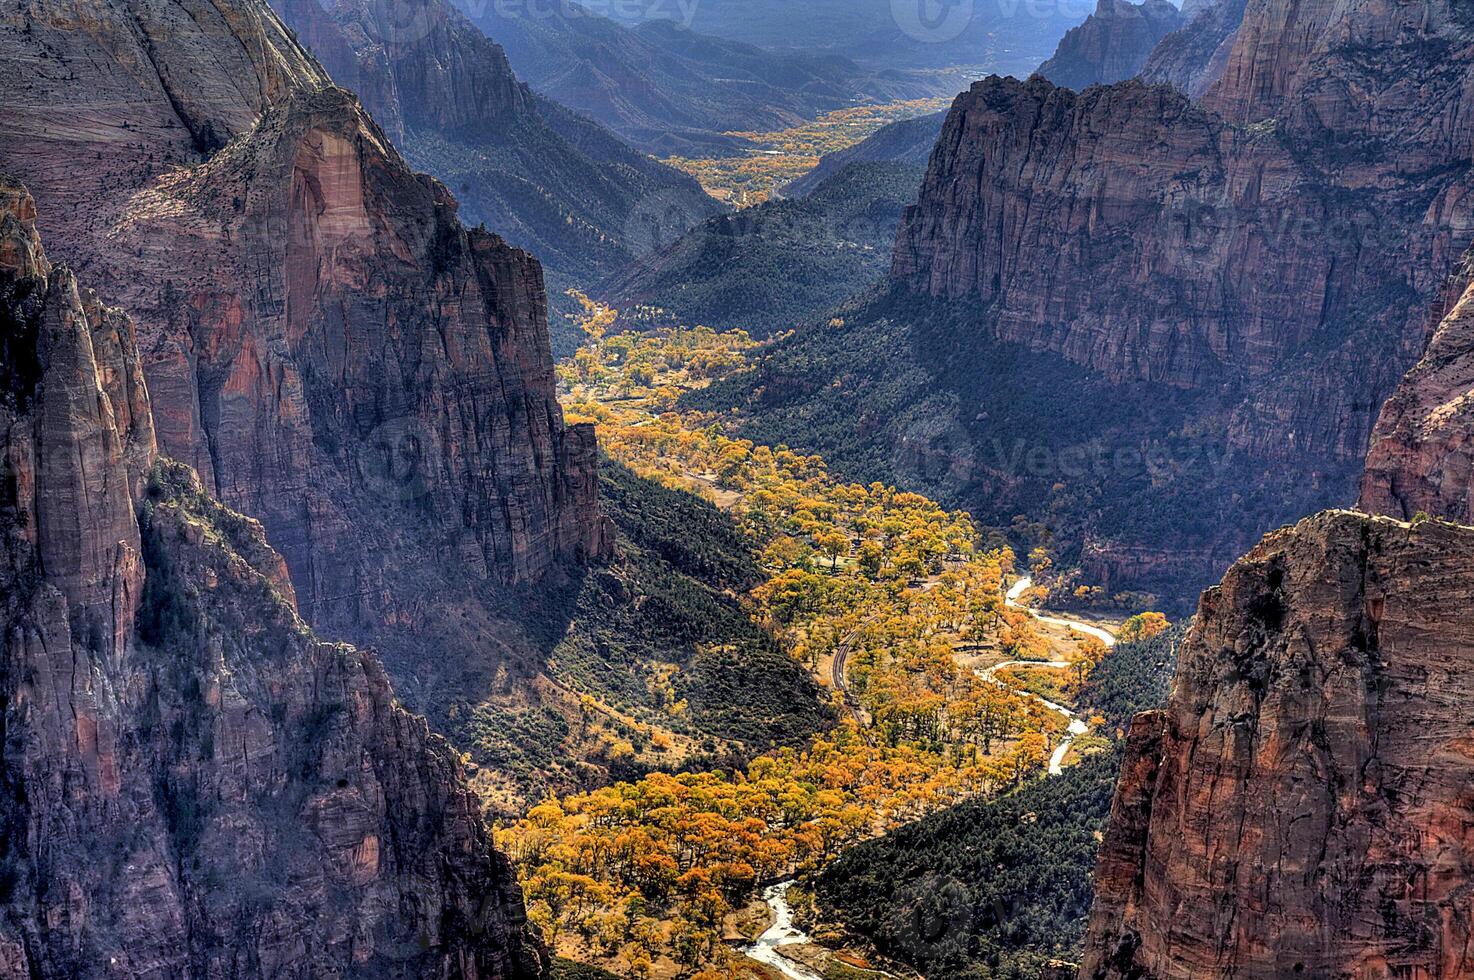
{"x":1075,"y":727}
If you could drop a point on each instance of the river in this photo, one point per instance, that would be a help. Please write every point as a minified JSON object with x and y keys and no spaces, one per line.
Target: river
{"x":1075,"y":727}
{"x":781,"y":933}
{"x":784,"y":933}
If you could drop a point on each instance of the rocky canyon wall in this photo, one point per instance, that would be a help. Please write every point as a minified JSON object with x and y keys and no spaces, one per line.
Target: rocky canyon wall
{"x":1113,"y":44}
{"x":194,"y":784}
{"x":325,"y":342}
{"x":1260,"y":250}
{"x":1301,"y":808}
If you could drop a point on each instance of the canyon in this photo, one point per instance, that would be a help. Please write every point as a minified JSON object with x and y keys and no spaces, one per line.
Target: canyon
{"x":547,"y":179}
{"x":1228,"y":261}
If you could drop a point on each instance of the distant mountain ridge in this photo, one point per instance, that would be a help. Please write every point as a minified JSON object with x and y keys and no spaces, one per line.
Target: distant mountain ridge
{"x":1113,"y":44}
{"x":822,"y":248}
{"x":546,"y":178}
{"x":675,"y":92}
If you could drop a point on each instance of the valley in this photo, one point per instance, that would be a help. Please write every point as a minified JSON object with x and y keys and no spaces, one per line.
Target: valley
{"x":767,"y":162}
{"x":884,"y":597}
{"x":738,"y":490}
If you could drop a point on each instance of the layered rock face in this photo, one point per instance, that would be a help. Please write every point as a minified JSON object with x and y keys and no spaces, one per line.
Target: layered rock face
{"x":1113,"y":44}
{"x":1301,"y":806}
{"x":194,"y":784}
{"x":1268,"y":248}
{"x":1194,"y":57}
{"x":549,"y":181}
{"x":1422,"y":455}
{"x":324,"y":341}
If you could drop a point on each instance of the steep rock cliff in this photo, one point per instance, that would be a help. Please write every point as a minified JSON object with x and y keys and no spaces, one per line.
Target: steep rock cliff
{"x":194,"y":784}
{"x":546,"y":179}
{"x":324,"y":341}
{"x":1300,"y":808}
{"x":1269,"y":249}
{"x":1192,"y":58}
{"x":1422,"y":455}
{"x":1113,"y":44}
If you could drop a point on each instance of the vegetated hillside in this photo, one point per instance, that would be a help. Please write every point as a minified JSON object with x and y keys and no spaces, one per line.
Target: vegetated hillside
{"x":1113,"y":44}
{"x":660,"y":636}
{"x":905,"y":389}
{"x":1006,"y":37}
{"x":778,"y":265}
{"x":992,"y":889}
{"x":543,"y":177}
{"x":674,"y":92}
{"x":908,"y":142}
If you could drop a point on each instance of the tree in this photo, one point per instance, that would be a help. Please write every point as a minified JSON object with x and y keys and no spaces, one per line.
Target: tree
{"x":833,"y":544}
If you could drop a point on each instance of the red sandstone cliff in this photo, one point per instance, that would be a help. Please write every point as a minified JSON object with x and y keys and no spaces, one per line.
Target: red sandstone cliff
{"x":1112,"y":45}
{"x":325,"y":342}
{"x":1422,"y":455}
{"x":1301,"y":806}
{"x":194,"y":784}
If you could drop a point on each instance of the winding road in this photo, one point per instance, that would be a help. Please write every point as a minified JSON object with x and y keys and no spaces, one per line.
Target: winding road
{"x":1076,"y":727}
{"x":783,"y":932}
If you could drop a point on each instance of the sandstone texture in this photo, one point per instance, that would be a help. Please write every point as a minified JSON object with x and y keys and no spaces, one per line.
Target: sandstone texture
{"x":194,"y":784}
{"x":324,"y":341}
{"x":1269,"y":249}
{"x":1301,"y":806}
{"x":1422,"y":455}
{"x":548,"y":180}
{"x":1113,"y":44}
{"x":1193,"y":57}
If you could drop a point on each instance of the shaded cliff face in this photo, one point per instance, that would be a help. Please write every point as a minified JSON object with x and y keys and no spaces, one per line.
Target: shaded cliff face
{"x":1112,"y":45}
{"x":1268,"y":249}
{"x":1422,"y":455}
{"x":336,"y":354}
{"x":303,"y":295}
{"x":323,"y":340}
{"x":193,"y":783}
{"x":1301,"y":806}
{"x":549,"y":181}
{"x":1194,"y":57}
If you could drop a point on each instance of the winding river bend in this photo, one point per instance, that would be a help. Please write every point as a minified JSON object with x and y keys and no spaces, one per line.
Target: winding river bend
{"x":1076,"y":727}
{"x":781,"y":933}
{"x":784,"y":933}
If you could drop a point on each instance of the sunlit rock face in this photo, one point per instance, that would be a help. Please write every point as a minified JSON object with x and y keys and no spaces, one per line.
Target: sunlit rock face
{"x":1301,"y":806}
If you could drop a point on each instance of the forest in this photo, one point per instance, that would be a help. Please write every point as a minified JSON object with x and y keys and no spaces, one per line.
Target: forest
{"x":890,"y":601}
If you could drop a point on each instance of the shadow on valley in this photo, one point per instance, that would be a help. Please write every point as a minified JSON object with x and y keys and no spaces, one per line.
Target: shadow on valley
{"x":649,"y":661}
{"x":1139,"y":482}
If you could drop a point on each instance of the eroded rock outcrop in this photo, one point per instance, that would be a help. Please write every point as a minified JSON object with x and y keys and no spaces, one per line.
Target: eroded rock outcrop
{"x":1301,"y":806}
{"x":1113,"y":44}
{"x":194,"y":784}
{"x":1422,"y":455}
{"x":1268,"y":249}
{"x":325,"y":342}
